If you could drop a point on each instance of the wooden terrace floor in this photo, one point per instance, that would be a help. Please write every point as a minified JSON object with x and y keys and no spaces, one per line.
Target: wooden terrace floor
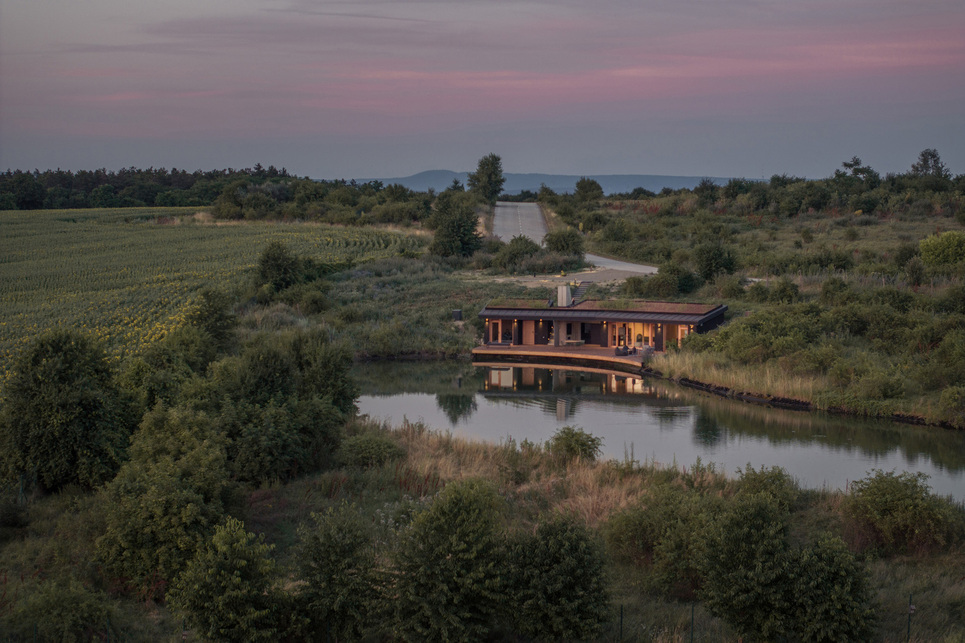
{"x":547,"y":353}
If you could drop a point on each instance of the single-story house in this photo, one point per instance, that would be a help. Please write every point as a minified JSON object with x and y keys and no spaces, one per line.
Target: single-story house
{"x":616,"y":323}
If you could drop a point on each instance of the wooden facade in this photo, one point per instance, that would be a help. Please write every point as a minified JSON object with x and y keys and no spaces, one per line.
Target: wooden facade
{"x":648,"y":325}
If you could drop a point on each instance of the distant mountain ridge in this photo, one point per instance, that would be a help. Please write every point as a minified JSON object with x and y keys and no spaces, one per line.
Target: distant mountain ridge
{"x":515,"y":183}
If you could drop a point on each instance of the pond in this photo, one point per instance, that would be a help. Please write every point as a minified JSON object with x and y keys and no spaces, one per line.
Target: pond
{"x":655,"y":420}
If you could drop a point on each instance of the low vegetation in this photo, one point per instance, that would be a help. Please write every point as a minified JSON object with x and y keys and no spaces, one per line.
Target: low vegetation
{"x":186,"y":461}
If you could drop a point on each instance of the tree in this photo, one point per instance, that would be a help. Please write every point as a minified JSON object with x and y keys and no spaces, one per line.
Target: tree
{"x":745,"y":567}
{"x":278,"y":266}
{"x":559,"y":590}
{"x":487,"y":181}
{"x":567,"y":241}
{"x":456,"y":222}
{"x":713,"y":259}
{"x":226,"y":589}
{"x":449,"y":585}
{"x":165,"y":502}
{"x":930,"y":164}
{"x":337,"y":564}
{"x":832,"y":594}
{"x":63,"y":418}
{"x":587,"y":191}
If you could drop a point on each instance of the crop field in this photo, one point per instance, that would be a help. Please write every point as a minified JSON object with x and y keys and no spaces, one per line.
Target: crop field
{"x":124,"y":275}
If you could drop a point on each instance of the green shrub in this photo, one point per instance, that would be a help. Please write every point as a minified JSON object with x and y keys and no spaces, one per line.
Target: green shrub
{"x":368,"y":450}
{"x":63,"y":419}
{"x":336,"y":563}
{"x":165,"y":502}
{"x":745,"y":568}
{"x":567,"y":241}
{"x":449,"y":566}
{"x":59,"y":610}
{"x":570,"y":442}
{"x":943,"y":249}
{"x":775,"y":482}
{"x":558,"y":582}
{"x":897,"y":513}
{"x":952,"y":403}
{"x":225,"y":592}
{"x":833,"y":598}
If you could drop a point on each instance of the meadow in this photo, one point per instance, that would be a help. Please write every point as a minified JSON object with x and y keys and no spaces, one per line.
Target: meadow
{"x":124,"y":275}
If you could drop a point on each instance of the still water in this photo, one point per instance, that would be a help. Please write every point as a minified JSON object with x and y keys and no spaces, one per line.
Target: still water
{"x":656,"y":421}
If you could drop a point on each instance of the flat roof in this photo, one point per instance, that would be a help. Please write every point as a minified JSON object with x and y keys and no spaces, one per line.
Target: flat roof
{"x":612,"y":311}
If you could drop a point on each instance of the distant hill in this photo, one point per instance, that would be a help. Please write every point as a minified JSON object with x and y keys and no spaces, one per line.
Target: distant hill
{"x":515,"y":183}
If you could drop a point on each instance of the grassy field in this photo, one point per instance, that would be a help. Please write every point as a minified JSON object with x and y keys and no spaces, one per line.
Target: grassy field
{"x":124,"y":274}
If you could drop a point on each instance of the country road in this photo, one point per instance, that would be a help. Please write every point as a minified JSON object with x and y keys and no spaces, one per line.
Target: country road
{"x":513,"y":219}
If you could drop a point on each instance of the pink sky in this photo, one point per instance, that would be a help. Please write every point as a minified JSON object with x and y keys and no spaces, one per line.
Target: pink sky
{"x":379,"y":88}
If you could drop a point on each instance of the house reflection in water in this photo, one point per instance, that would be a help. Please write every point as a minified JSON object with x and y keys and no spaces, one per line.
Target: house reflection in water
{"x":532,"y":379}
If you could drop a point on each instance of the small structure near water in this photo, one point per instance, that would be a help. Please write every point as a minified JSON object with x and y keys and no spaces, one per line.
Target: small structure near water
{"x":591,"y":330}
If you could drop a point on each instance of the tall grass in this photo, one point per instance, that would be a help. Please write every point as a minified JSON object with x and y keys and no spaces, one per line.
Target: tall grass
{"x":765,"y":379}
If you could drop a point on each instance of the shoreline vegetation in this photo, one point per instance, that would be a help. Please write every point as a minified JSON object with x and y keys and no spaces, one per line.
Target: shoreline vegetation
{"x":179,"y":441}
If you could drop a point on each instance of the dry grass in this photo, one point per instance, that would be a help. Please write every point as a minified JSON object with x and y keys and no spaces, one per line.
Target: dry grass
{"x":767,"y":379}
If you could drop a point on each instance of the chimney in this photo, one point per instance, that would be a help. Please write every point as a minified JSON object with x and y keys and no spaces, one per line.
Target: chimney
{"x":563,"y":296}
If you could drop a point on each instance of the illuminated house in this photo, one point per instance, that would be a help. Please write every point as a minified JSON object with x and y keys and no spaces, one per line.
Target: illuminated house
{"x":607,"y":324}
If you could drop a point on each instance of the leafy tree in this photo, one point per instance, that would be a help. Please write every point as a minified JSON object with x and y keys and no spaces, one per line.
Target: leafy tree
{"x":832,"y":594}
{"x":587,"y":191}
{"x":567,"y":241}
{"x":930,"y":164}
{"x":713,"y":259}
{"x":338,"y":566}
{"x":28,"y":192}
{"x":456,"y":227}
{"x":278,"y":266}
{"x":226,"y":591}
{"x":211,"y":311}
{"x":706,"y":191}
{"x":745,"y":567}
{"x":165,"y":502}
{"x":449,"y":565}
{"x":559,"y":589}
{"x":513,"y":253}
{"x":487,"y":181}
{"x":63,"y":418}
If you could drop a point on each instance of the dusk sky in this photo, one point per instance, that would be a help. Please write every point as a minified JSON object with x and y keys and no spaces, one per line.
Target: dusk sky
{"x":390,"y":88}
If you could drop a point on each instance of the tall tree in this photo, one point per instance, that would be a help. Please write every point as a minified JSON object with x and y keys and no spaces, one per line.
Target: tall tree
{"x":63,"y":419}
{"x":487,"y":181}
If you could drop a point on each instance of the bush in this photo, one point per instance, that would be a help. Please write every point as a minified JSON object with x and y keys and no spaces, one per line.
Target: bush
{"x":368,"y":450}
{"x":775,"y":482}
{"x":337,"y":566}
{"x":573,"y":442}
{"x":449,"y":567}
{"x":897,"y":513}
{"x":943,"y":249}
{"x":165,"y":502}
{"x":558,"y":582}
{"x":832,"y":594}
{"x":63,"y":419}
{"x":567,"y":241}
{"x":226,"y":592}
{"x":59,"y":610}
{"x":745,"y":568}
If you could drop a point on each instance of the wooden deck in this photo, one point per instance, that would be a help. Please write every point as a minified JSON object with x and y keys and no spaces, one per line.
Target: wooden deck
{"x":579,"y":355}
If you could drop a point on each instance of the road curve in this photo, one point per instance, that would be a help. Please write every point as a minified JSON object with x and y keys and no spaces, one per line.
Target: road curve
{"x":514,"y":219}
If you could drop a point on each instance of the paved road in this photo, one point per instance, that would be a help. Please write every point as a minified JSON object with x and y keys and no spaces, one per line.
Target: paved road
{"x":512,"y":219}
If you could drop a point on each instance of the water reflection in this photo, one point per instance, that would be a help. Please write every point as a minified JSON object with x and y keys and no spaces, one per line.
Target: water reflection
{"x":660,"y":421}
